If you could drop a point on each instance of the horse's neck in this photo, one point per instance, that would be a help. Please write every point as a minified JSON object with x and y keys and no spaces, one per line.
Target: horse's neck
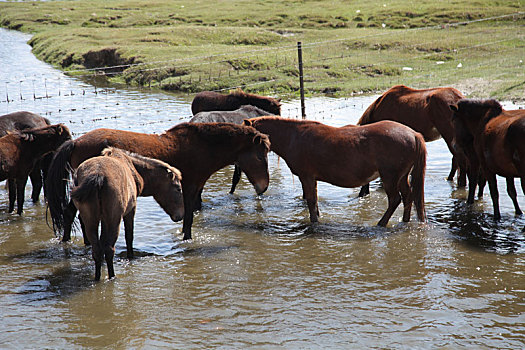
{"x":280,"y":132}
{"x":40,"y":145}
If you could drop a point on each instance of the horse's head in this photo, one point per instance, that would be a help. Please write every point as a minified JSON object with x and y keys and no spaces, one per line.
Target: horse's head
{"x":271,"y":105}
{"x":49,"y":137}
{"x":169,"y":192}
{"x":253,"y":160}
{"x":474,"y":112}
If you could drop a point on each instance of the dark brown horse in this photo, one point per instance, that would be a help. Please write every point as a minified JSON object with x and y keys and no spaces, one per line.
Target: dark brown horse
{"x":351,"y":157}
{"x":106,"y":190}
{"x":21,"y":121}
{"x":197,"y":150}
{"x":426,"y":111}
{"x":214,"y":101}
{"x":497,"y":138}
{"x":21,"y":150}
{"x":236,"y":117}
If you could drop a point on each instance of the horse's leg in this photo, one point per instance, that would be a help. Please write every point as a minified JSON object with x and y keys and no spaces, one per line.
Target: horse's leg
{"x":407,"y":197}
{"x":365,"y":190}
{"x":69,"y":216}
{"x":522,"y":179}
{"x":36,"y":182}
{"x":198,"y":201}
{"x":20,"y":194}
{"x":511,"y":191}
{"x":472,"y":183}
{"x":11,"y":189}
{"x":96,"y":249}
{"x":108,"y":238}
{"x":190,"y":196}
{"x":83,"y":229}
{"x":128,"y":230}
{"x":493,"y":187}
{"x":236,"y":177}
{"x":310,"y":194}
{"x":394,"y":198}
{"x":462,"y":177}
{"x":481,"y":184}
{"x":453,"y":169}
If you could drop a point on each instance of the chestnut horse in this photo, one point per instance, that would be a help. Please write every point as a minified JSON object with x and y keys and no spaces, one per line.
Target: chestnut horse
{"x":351,"y":157}
{"x":20,"y":121}
{"x":214,"y":101}
{"x":106,"y":190}
{"x":197,"y":150}
{"x":426,"y":111}
{"x":21,"y":150}
{"x":497,"y":137}
{"x":236,"y":117}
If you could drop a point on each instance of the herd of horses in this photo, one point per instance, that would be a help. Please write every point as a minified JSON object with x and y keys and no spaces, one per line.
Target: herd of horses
{"x":110,"y":168}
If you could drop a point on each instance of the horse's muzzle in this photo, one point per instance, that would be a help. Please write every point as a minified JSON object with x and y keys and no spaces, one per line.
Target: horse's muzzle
{"x":260,"y":189}
{"x":178,"y":216}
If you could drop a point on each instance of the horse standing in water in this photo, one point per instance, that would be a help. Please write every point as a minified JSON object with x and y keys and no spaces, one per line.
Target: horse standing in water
{"x":20,"y":151}
{"x":106,"y":190}
{"x":351,"y":157}
{"x":214,"y":101}
{"x":197,"y":150}
{"x":20,"y":121}
{"x":425,"y":111}
{"x":236,"y":117}
{"x":497,"y":139}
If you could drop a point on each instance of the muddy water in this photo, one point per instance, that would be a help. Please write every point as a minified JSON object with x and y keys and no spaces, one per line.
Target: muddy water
{"x":257,"y":274}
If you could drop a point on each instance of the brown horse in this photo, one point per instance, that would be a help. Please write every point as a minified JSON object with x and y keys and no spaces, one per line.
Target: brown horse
{"x":497,"y":138}
{"x":21,"y":150}
{"x":214,"y":101}
{"x":21,"y":121}
{"x":106,"y":190}
{"x":197,"y":150}
{"x":351,"y":157}
{"x":236,"y":117}
{"x":426,"y":111}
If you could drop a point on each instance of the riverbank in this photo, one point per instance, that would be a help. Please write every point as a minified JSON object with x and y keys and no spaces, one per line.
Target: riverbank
{"x":367,"y":46}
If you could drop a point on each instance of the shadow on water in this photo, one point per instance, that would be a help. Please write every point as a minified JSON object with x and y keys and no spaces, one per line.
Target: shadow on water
{"x":337,"y":231}
{"x":62,"y":282}
{"x":479,"y":230}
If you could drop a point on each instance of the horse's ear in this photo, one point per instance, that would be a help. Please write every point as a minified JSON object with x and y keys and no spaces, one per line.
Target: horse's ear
{"x":171,"y":174}
{"x":247,"y":122}
{"x":60,"y":129}
{"x":454,"y":107}
{"x":279,"y":100}
{"x":257,"y":140}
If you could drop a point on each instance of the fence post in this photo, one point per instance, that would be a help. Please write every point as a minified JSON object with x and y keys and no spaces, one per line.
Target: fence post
{"x":301,"y":82}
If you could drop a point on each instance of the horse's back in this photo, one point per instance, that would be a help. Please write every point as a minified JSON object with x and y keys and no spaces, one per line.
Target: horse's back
{"x":424,"y":110}
{"x":111,"y":180}
{"x":21,"y":120}
{"x":236,"y":117}
{"x":207,"y":101}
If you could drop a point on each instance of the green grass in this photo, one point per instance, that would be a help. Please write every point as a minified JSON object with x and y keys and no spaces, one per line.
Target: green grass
{"x":348,"y":46}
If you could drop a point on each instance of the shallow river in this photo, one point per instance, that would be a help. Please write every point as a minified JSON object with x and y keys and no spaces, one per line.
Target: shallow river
{"x":256,"y":274}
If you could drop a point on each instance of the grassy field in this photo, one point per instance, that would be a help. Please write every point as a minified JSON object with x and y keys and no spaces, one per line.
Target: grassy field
{"x":349,"y":47}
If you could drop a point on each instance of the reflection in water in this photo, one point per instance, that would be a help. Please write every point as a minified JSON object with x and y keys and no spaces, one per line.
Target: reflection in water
{"x":257,"y":273}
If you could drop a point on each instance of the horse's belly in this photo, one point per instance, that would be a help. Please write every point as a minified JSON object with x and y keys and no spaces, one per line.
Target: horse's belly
{"x":349,"y":180}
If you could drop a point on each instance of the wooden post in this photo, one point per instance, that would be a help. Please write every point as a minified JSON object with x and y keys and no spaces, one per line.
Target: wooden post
{"x":301,"y":82}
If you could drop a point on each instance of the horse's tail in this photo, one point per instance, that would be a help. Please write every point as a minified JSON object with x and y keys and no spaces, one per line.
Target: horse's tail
{"x":89,"y":189}
{"x":367,"y":116}
{"x":57,"y":183}
{"x":418,"y":177}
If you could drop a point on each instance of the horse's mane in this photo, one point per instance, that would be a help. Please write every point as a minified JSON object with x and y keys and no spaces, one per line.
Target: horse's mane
{"x":240,"y":93}
{"x":220,"y":132}
{"x":287,"y":120}
{"x":154,"y":163}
